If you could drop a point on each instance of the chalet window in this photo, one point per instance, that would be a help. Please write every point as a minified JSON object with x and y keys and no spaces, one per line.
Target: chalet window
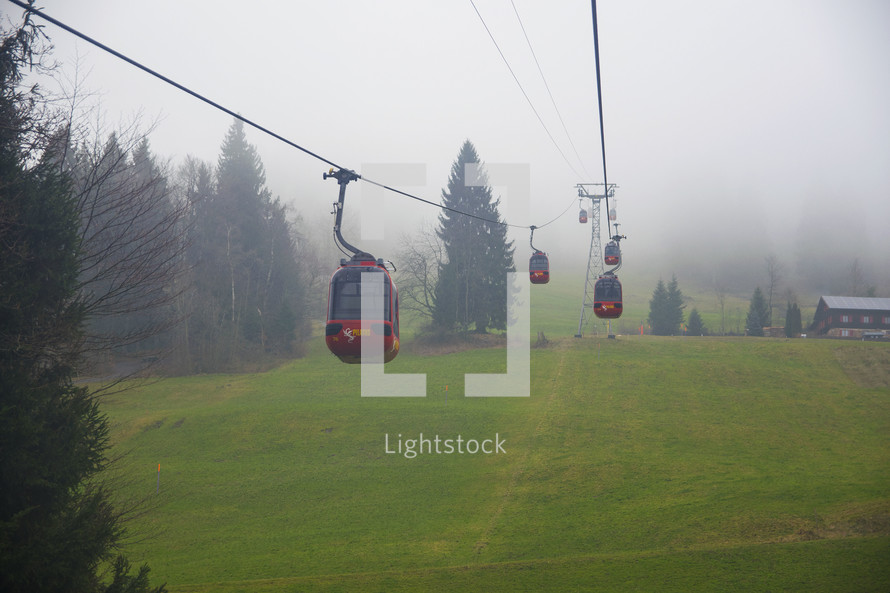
{"x":845,"y":333}
{"x":867,"y":319}
{"x":845,"y":319}
{"x":886,"y":320}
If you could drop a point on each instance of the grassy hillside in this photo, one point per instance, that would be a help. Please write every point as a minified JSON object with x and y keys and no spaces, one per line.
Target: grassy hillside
{"x":653,"y":464}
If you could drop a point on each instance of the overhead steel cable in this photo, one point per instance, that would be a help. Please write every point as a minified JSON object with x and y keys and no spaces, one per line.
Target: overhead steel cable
{"x":524,"y":94}
{"x":243,"y":119}
{"x":169,"y":81}
{"x":599,"y":97}
{"x":442,"y":206}
{"x":571,"y":203}
{"x":547,"y":86}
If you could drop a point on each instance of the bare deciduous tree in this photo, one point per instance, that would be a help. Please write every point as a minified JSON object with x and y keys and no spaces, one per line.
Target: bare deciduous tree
{"x":419,"y":263}
{"x":132,"y":232}
{"x":132,"y":241}
{"x":858,"y":286}
{"x":720,"y":291}
{"x":773,"y":280}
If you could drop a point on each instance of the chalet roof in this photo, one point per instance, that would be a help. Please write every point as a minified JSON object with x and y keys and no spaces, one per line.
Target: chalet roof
{"x":860,"y":303}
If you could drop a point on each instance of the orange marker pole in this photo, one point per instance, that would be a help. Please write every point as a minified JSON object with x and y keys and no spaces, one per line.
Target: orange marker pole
{"x":158,"y":489}
{"x":446,"y":395}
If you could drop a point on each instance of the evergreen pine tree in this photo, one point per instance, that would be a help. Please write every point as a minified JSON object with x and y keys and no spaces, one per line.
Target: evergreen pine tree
{"x":657,"y":309}
{"x":675,"y":306}
{"x":789,"y":329}
{"x":696,"y":326}
{"x":758,"y":314}
{"x":666,"y":308}
{"x":796,"y":323}
{"x":57,"y":524}
{"x":753,"y":324}
{"x":471,"y":285}
{"x":247,"y":276}
{"x":793,"y":323}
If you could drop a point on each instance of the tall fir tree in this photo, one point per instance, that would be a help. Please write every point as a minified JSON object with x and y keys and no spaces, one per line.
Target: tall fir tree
{"x":57,"y":523}
{"x":199,"y":340}
{"x":789,"y":331}
{"x":695,"y":325}
{"x":675,"y":305}
{"x":247,"y":273}
{"x":797,"y":325}
{"x":666,"y":308}
{"x":758,"y":314}
{"x":471,"y":288}
{"x":657,"y":309}
{"x":793,"y":322}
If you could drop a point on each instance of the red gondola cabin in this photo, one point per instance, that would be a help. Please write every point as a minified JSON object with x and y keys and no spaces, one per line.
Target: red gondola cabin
{"x":582,"y":216}
{"x":539,"y":268}
{"x":612,"y":253}
{"x":607,"y":297}
{"x":343,"y":331}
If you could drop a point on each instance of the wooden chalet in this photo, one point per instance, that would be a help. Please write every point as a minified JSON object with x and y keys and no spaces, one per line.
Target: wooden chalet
{"x":852,"y":317}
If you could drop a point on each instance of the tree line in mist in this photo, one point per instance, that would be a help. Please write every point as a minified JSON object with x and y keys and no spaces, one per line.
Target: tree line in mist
{"x":196,"y":266}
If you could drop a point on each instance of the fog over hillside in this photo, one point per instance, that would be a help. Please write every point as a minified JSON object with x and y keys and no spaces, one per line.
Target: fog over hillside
{"x":734,"y":131}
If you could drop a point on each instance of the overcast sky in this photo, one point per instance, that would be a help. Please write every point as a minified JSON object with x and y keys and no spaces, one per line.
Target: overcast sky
{"x":727,"y":123}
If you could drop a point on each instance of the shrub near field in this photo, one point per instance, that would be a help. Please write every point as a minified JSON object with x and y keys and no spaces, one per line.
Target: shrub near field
{"x":658,"y":464}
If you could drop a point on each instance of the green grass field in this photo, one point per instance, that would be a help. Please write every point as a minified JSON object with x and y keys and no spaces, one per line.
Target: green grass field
{"x":638,"y":464}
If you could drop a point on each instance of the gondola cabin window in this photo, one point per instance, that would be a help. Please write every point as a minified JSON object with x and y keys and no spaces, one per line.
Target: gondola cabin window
{"x":608,"y":290}
{"x":346,"y":295}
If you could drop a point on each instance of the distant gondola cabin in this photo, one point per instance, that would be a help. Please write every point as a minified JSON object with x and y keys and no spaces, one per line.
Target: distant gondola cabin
{"x":539,"y":268}
{"x":582,"y":216}
{"x":607,"y":302}
{"x":612,"y":253}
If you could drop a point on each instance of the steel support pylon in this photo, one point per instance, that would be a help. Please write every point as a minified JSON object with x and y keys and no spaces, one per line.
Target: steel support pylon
{"x":595,"y":264}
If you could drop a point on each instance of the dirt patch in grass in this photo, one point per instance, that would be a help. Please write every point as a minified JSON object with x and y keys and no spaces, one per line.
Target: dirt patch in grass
{"x":864,"y":520}
{"x":859,"y":527}
{"x":867,"y":365}
{"x":855,"y":520}
{"x":435,"y":345}
{"x":154,"y":425}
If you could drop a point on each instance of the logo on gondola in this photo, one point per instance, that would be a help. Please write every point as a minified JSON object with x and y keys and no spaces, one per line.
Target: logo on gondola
{"x":352,"y":334}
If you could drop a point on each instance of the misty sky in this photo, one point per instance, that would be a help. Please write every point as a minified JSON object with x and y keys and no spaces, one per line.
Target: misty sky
{"x":730,"y":126}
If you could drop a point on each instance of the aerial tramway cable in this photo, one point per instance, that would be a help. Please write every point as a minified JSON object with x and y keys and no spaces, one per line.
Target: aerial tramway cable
{"x":547,"y":86}
{"x":599,"y":98}
{"x":519,"y":84}
{"x":607,"y":290}
{"x":265,"y":130}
